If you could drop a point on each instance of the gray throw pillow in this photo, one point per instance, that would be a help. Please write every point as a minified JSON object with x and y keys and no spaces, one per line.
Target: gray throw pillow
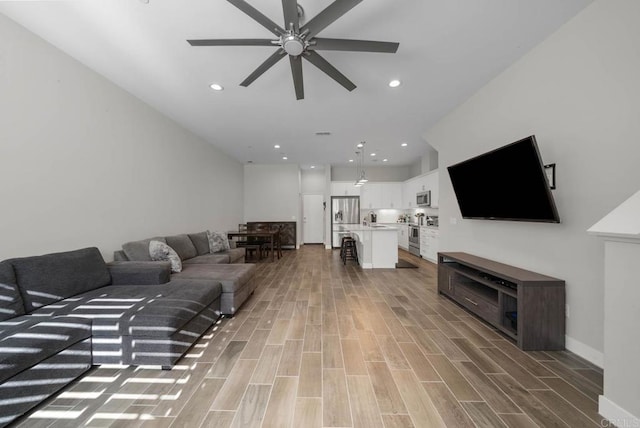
{"x":218,"y":241}
{"x":159,"y":251}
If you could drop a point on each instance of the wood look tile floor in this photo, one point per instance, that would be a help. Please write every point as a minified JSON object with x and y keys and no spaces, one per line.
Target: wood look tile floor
{"x":320,"y":344}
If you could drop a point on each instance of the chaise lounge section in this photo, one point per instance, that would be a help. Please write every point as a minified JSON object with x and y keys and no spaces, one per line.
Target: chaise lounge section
{"x":63,"y":312}
{"x":198,"y":262}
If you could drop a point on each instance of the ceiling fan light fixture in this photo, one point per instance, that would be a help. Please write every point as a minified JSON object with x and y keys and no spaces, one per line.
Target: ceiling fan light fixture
{"x":293,"y":44}
{"x":216,"y":87}
{"x":395,"y":83}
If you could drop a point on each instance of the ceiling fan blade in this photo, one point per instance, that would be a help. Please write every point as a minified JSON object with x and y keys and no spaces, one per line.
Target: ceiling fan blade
{"x":258,"y":16}
{"x":315,"y":59}
{"x":353,"y":45}
{"x":290,"y":8}
{"x":296,"y":71}
{"x":231,"y":42}
{"x":330,"y":14}
{"x":270,"y":62}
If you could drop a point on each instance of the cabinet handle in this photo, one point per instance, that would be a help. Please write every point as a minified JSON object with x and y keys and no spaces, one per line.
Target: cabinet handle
{"x":470,"y":301}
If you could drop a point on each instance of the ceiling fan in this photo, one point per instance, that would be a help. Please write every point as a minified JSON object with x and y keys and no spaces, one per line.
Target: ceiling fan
{"x":300,"y":41}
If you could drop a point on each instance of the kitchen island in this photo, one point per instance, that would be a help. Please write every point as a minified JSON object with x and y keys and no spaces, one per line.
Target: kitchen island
{"x":377,"y":245}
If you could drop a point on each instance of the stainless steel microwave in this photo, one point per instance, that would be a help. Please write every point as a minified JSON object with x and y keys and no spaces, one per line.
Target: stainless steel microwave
{"x":423,"y":199}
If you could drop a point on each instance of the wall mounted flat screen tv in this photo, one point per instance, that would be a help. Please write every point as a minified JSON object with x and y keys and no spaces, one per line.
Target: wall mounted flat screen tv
{"x":508,"y":183}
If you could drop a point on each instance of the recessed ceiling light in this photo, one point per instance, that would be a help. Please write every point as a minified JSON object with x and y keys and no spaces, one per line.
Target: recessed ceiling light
{"x":216,"y":87}
{"x":312,"y":166}
{"x":350,"y":160}
{"x":404,"y":144}
{"x":284,"y":158}
{"x":385,"y":160}
{"x":360,"y":145}
{"x":394,"y":83}
{"x":277,"y":146}
{"x":372,"y":154}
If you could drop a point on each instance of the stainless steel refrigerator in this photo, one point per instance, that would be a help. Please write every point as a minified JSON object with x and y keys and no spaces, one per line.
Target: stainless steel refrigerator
{"x":344,"y":210}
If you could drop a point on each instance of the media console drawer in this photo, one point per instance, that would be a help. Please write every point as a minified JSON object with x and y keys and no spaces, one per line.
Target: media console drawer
{"x":477,"y":305}
{"x":526,"y":306}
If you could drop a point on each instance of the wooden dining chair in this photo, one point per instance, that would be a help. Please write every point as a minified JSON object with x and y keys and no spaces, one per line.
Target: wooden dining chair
{"x":277,"y":244}
{"x":250,"y":245}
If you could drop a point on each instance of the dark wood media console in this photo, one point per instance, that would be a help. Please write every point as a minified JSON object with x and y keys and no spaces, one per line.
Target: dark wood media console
{"x":494,"y":292}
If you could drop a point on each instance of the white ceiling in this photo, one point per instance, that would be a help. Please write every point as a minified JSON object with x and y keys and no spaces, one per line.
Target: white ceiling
{"x":448,"y":50}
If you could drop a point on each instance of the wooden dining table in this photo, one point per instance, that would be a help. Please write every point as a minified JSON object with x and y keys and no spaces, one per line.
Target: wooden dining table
{"x":271,"y":234}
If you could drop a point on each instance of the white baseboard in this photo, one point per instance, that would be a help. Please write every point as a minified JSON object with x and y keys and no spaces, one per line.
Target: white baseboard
{"x":615,"y":414}
{"x":588,"y":353}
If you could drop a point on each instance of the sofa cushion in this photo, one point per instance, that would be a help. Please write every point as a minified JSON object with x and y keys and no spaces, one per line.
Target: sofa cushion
{"x":237,"y":255}
{"x":208,"y":259}
{"x":218,"y":241}
{"x":46,"y":279}
{"x":231,"y":276}
{"x":139,"y":250}
{"x":182,"y":245}
{"x":25,"y":341}
{"x":139,"y":273}
{"x":159,"y":251}
{"x":201,"y":242}
{"x":10,"y":300}
{"x":139,"y":310}
{"x":120,"y":256}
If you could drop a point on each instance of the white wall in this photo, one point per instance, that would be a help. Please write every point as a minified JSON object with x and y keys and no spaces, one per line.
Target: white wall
{"x":579,"y":93}
{"x":84,"y":163}
{"x":313,"y":181}
{"x":272,"y":193}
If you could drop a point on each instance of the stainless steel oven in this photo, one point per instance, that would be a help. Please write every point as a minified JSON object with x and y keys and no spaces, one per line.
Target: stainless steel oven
{"x":414,"y":239}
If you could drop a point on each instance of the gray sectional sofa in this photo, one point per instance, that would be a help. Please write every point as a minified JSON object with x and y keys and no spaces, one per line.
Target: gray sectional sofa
{"x":226,"y":267}
{"x":62,"y":313}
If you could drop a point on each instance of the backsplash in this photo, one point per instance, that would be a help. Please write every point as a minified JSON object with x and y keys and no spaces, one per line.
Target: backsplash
{"x":392,"y":215}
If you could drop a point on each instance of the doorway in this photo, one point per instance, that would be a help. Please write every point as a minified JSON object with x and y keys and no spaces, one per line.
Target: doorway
{"x":312,"y":219}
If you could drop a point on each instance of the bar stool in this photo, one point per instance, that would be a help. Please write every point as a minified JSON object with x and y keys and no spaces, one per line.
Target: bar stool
{"x":342,"y":236}
{"x":348,"y":250}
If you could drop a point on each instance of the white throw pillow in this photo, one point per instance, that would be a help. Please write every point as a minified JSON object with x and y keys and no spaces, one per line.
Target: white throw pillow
{"x":159,"y":251}
{"x":218,"y":241}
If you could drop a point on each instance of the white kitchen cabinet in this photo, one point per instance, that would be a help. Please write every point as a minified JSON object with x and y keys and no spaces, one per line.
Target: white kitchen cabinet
{"x":370,"y":196}
{"x":381,"y":195}
{"x":432,"y":182}
{"x":391,"y":195}
{"x":422,"y":183}
{"x":403,"y":236}
{"x":433,"y":248}
{"x":423,"y":242}
{"x":344,"y":188}
{"x":429,"y":243}
{"x":408,"y":196}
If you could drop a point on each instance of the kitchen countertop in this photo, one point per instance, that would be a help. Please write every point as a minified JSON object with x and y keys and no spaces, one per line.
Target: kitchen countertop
{"x":360,"y":227}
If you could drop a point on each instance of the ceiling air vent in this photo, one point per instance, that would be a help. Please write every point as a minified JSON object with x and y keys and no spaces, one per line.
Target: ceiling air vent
{"x":323,"y":133}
